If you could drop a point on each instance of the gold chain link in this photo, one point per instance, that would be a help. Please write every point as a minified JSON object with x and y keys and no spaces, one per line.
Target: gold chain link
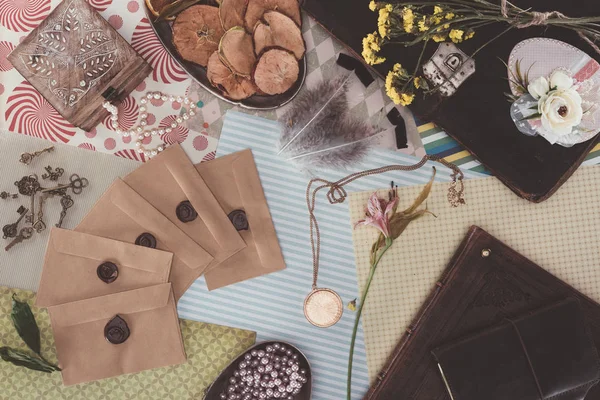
{"x":337,"y":194}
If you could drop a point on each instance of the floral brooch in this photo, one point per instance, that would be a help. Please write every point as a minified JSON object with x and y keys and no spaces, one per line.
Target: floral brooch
{"x":562,"y":102}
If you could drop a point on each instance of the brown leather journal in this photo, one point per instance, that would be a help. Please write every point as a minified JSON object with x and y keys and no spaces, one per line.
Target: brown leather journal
{"x":541,"y":355}
{"x":484,"y":283}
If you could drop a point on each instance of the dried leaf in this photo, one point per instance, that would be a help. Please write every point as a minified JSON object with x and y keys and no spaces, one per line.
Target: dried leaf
{"x":532,"y":116}
{"x":25,"y":324}
{"x":22,"y":359}
{"x":422,"y":196}
{"x":175,"y":8}
{"x":376,"y":246}
{"x":518,"y":70}
{"x":399,"y":222}
{"x":511,"y":97}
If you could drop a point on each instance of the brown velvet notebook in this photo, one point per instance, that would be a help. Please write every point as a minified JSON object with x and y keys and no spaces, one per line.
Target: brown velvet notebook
{"x":485,"y":282}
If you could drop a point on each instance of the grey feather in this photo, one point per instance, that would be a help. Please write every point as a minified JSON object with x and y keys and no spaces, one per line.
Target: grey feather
{"x":320,"y":132}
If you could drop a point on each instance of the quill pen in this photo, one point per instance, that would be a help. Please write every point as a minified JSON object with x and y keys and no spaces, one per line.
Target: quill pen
{"x":319,"y":130}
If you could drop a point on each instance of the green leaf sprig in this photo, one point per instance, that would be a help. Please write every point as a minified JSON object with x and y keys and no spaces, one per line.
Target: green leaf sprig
{"x":27,"y":328}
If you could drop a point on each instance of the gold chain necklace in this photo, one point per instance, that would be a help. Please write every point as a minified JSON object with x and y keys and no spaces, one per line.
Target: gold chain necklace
{"x":323,"y":307}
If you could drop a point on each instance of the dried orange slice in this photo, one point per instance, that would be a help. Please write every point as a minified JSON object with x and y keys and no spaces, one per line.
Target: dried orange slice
{"x":233,"y":86}
{"x":232,"y":13}
{"x":197,"y":32}
{"x":278,"y":30}
{"x":276,"y":71}
{"x":257,"y":8}
{"x":237,"y":51}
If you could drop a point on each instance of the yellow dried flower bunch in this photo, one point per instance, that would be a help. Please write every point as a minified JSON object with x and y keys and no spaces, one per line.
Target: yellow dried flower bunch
{"x":411,"y":23}
{"x":371,"y":45}
{"x":414,"y":23}
{"x":397,"y":77}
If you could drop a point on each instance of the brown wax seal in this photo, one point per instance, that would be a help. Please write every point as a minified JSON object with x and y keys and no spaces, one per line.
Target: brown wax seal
{"x":185,"y":212}
{"x":239,"y":220}
{"x":107,"y":272}
{"x":146,"y":240}
{"x":116,"y":330}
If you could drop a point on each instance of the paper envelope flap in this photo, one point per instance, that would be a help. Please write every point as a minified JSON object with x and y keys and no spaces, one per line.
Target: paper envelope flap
{"x":257,"y":211}
{"x":101,"y":249}
{"x":198,"y":193}
{"x":103,"y":307}
{"x":132,"y":204}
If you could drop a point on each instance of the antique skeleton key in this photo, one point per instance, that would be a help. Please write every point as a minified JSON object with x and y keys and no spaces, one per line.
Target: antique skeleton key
{"x":31,"y":216}
{"x":27,"y":158}
{"x":51,"y":174}
{"x":11,"y":230}
{"x":29,"y":186}
{"x":5,"y":195}
{"x":25,"y":234}
{"x":66,"y":202}
{"x":76,"y":184}
{"x":40,"y":225}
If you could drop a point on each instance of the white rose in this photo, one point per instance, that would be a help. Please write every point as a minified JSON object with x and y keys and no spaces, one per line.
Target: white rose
{"x":538,"y":87}
{"x":561,"y":111}
{"x":559,"y":80}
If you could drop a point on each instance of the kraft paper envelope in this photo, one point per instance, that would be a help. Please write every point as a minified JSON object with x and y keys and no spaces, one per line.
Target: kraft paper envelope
{"x":171,"y":179}
{"x":235,"y":183}
{"x":72,"y":262}
{"x":83,"y":352}
{"x":121,"y":214}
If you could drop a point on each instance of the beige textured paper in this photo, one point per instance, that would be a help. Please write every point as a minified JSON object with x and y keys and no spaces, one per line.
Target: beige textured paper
{"x":560,"y":234}
{"x":22,"y":265}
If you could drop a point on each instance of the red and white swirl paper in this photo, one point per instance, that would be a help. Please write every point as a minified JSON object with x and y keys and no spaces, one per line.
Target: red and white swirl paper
{"x":29,"y":113}
{"x":23,"y":110}
{"x":87,"y":146}
{"x":177,"y":135}
{"x":100,"y":5}
{"x":131,"y":154}
{"x":23,"y":15}
{"x":128,"y":115}
{"x":145,"y":42}
{"x":5,"y":49}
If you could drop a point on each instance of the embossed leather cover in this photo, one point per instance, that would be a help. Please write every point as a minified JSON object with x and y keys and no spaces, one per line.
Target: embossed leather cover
{"x":474,"y":293}
{"x":526,"y":358}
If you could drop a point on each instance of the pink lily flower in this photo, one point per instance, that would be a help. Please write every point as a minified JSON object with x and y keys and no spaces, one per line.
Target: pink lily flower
{"x":377,"y":214}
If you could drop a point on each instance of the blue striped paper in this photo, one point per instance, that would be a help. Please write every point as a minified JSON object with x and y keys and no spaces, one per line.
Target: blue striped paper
{"x":273,"y":305}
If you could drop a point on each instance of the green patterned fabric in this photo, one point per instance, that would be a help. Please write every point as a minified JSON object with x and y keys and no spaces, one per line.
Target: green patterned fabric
{"x":209,"y":348}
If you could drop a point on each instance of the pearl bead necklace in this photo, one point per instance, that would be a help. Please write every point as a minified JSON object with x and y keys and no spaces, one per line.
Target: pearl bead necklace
{"x":141,"y":130}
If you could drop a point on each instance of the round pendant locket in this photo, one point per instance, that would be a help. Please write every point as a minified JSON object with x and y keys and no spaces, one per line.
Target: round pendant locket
{"x":323,"y":307}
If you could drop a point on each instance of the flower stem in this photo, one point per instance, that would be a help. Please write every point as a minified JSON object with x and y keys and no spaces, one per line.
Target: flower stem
{"x":490,"y":41}
{"x":388,"y":244}
{"x":417,"y":67}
